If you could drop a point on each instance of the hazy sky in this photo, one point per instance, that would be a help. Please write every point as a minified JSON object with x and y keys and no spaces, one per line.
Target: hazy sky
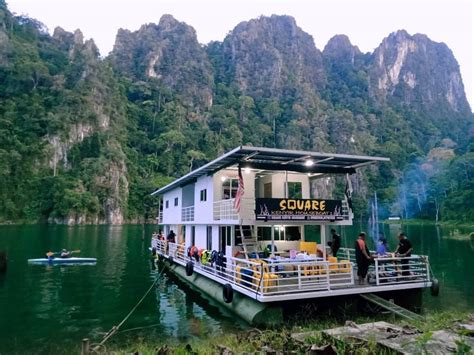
{"x":365,"y":22}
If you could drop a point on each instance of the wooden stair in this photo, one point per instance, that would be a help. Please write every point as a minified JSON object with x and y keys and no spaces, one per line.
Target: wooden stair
{"x":392,"y":307}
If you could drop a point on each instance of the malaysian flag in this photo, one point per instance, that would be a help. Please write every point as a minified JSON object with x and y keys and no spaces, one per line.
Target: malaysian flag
{"x":240,"y":192}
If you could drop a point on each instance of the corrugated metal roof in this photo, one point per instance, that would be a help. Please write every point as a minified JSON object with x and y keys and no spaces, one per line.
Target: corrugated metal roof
{"x":277,"y":160}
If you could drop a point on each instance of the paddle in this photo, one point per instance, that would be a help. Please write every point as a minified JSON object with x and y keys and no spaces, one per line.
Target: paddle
{"x":50,"y":253}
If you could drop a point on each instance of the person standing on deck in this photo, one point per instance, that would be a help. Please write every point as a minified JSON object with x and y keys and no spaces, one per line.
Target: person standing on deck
{"x":404,"y":250}
{"x":363,"y":258}
{"x":335,"y":244}
{"x":171,"y":237}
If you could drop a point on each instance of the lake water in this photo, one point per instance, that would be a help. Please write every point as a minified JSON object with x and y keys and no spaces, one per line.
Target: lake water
{"x":44,"y":309}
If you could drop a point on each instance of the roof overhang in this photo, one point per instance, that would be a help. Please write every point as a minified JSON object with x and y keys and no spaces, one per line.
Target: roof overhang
{"x":278,"y":160}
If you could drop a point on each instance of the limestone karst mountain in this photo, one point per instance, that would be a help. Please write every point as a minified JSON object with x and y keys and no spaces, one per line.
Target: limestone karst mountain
{"x":85,"y":139}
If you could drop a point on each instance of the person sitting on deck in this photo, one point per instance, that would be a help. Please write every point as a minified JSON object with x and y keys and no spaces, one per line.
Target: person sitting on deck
{"x":161,"y":235}
{"x":65,"y":254}
{"x":50,"y":255}
{"x":363,"y":258}
{"x":382,"y":248}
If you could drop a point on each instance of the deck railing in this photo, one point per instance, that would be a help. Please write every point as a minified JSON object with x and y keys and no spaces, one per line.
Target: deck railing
{"x":187,"y":214}
{"x":394,"y":270}
{"x":224,"y":210}
{"x":390,"y":269}
{"x":274,"y":280}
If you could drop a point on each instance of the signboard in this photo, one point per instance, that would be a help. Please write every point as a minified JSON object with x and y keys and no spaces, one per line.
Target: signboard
{"x":297,"y":209}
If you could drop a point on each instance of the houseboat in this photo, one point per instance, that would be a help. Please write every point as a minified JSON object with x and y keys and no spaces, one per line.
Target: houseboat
{"x":250,"y":229}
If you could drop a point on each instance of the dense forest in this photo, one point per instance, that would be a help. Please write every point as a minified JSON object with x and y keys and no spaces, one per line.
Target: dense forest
{"x":86,"y":139}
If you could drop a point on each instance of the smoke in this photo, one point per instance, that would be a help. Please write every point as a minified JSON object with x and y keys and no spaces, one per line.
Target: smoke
{"x":415,"y":184}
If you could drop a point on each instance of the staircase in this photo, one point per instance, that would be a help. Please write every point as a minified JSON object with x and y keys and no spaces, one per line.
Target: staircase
{"x":392,"y":307}
{"x":249,"y":240}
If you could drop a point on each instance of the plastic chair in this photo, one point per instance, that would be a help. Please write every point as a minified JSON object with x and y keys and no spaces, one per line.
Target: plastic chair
{"x":345,"y":266}
{"x":333,"y":266}
{"x":269,"y":279}
{"x":309,"y":247}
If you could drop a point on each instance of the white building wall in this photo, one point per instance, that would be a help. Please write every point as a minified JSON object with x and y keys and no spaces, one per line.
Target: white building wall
{"x":203,"y":210}
{"x":172,"y":214}
{"x":201,"y":236}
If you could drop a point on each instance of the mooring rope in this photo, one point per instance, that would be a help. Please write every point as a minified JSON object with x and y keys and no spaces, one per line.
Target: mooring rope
{"x":115,"y":328}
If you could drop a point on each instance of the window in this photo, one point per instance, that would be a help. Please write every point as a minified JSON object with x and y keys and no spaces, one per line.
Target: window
{"x":176,"y":201}
{"x":167,"y":203}
{"x":294,"y":190}
{"x":193,"y":235}
{"x":229,"y":188}
{"x":264,"y":233}
{"x":209,"y":237}
{"x":204,"y":195}
{"x":225,"y":236}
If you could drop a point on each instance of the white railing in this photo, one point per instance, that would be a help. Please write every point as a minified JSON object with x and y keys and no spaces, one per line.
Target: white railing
{"x":224,"y":210}
{"x":394,"y":270}
{"x":267,"y":277}
{"x":187,"y":214}
{"x":280,"y":279}
{"x":346,"y":213}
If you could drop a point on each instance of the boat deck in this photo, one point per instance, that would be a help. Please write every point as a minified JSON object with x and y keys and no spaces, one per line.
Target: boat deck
{"x":271,"y":280}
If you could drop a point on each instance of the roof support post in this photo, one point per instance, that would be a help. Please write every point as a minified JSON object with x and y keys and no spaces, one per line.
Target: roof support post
{"x":323,"y":239}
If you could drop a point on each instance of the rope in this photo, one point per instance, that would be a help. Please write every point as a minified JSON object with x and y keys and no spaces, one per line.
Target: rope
{"x":115,"y":328}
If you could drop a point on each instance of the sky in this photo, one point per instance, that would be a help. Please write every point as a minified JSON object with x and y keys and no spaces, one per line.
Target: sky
{"x":365,"y":22}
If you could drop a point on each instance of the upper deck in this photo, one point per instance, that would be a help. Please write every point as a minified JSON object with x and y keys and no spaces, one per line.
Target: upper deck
{"x":275,"y":184}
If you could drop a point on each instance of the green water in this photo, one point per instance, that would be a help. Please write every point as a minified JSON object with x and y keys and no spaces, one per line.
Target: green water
{"x":44,"y":309}
{"x":47,"y":308}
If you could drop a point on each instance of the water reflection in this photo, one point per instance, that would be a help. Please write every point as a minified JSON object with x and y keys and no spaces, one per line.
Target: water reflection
{"x":76,"y":301}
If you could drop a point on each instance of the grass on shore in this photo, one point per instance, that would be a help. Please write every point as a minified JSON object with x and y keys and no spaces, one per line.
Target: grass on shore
{"x":281,"y":340}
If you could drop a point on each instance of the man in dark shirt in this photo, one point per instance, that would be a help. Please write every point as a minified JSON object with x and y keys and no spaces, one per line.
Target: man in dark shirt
{"x":335,"y":244}
{"x":404,"y":250}
{"x":363,"y":258}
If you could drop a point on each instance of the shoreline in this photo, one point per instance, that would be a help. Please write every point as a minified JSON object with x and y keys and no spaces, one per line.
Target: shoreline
{"x":302,"y":337}
{"x":152,"y":222}
{"x":430,"y":223}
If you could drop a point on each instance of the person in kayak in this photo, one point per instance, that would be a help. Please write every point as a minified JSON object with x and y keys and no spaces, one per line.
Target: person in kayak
{"x":50,"y":255}
{"x":65,"y":254}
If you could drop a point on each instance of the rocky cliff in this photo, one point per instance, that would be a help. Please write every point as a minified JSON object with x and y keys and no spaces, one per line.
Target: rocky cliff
{"x":170,"y":53}
{"x":266,"y":56}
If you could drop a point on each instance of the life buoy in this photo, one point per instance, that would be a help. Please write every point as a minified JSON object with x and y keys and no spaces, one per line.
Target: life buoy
{"x":228,"y":293}
{"x":434,"y":287}
{"x":189,"y":268}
